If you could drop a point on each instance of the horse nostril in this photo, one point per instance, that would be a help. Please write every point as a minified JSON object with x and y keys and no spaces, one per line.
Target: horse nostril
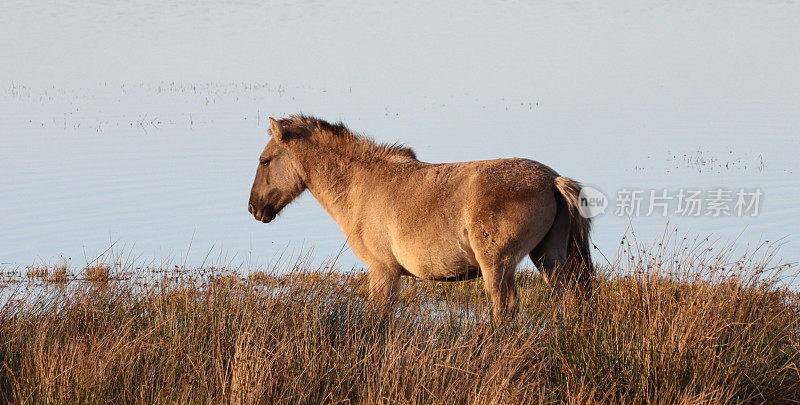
{"x":251,"y":208}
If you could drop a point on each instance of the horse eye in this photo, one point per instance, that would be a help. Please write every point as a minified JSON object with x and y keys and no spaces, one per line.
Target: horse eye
{"x":264,"y":162}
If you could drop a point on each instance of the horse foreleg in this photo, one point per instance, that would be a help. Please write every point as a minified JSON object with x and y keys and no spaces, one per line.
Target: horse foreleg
{"x":383,"y":282}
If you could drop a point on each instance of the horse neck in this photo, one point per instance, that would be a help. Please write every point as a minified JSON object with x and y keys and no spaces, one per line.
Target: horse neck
{"x":330,"y":176}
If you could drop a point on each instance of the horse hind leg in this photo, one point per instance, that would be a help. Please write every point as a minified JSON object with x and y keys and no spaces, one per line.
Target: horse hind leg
{"x":498,"y":279}
{"x":550,"y":255}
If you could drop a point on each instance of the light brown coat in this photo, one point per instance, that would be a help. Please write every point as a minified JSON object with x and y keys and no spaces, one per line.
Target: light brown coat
{"x":446,"y":221}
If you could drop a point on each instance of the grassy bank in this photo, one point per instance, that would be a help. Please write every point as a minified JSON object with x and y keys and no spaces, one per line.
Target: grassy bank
{"x":667,"y":330}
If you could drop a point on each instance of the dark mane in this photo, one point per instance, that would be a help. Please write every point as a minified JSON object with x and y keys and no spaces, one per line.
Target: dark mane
{"x":345,"y":141}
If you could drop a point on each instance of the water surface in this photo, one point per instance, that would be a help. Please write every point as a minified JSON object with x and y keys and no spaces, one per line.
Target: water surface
{"x":140,"y":124}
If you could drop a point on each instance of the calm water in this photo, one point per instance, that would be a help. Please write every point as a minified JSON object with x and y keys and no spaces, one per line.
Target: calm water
{"x":140,"y":124}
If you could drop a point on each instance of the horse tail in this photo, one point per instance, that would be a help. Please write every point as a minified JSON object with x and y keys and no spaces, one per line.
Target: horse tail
{"x":579,"y":257}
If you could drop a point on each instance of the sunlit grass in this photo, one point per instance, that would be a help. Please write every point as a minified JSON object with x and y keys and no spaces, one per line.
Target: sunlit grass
{"x":674,"y":327}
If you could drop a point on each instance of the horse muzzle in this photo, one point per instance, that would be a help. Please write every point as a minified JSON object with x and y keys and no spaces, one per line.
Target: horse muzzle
{"x":265,"y":214}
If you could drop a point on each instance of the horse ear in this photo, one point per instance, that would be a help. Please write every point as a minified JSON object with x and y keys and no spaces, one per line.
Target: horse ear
{"x":276,"y":129}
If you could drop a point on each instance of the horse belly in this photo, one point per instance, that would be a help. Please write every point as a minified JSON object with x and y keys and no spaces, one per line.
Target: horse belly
{"x":438,"y":260}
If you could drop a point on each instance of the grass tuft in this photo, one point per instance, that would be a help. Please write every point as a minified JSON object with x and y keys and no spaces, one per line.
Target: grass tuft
{"x":35,"y":271}
{"x":261,"y":278}
{"x":59,"y":273}
{"x":98,"y":273}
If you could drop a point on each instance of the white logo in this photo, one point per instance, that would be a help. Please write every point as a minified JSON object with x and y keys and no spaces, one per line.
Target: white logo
{"x":591,"y":202}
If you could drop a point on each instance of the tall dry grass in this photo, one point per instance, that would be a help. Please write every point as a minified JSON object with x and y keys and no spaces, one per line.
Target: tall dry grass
{"x":679,"y":324}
